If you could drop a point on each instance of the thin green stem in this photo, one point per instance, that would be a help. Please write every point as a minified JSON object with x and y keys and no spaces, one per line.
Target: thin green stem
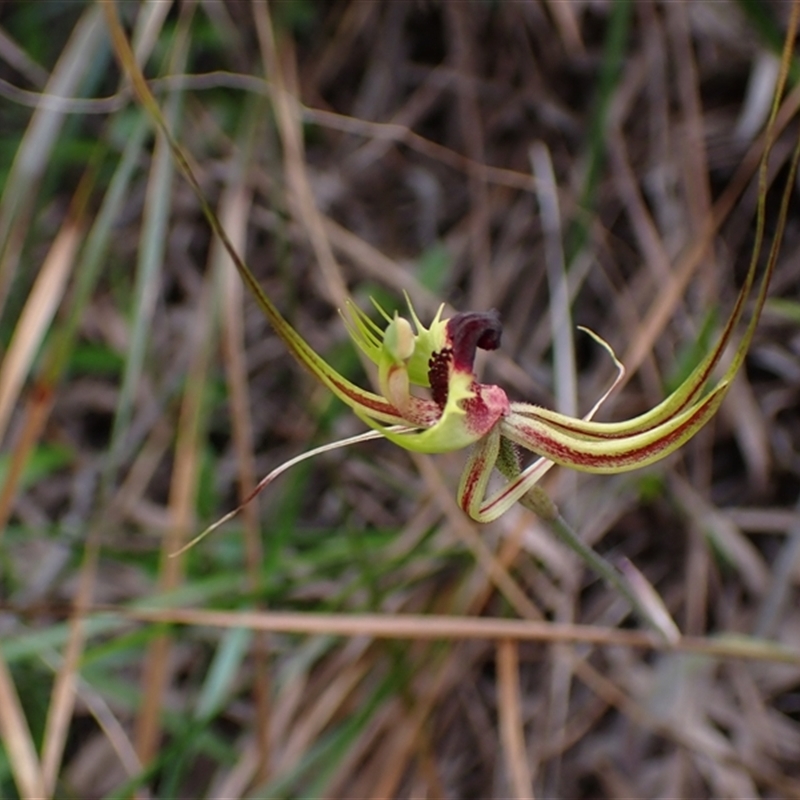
{"x":538,"y":501}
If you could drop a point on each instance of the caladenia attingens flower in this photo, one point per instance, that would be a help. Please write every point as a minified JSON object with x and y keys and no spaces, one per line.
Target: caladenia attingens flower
{"x":431,"y":401}
{"x":458,"y":411}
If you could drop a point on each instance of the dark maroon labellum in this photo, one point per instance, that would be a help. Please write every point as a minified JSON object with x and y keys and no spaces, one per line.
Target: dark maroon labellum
{"x":471,"y":330}
{"x":466,"y":332}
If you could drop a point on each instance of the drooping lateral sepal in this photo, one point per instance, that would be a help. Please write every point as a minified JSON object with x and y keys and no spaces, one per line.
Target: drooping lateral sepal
{"x":537,"y":434}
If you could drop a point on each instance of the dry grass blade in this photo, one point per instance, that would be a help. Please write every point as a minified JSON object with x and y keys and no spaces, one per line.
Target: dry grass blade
{"x":157,"y":673}
{"x":411,"y":626}
{"x":512,"y":734}
{"x":15,"y":56}
{"x":309,"y":725}
{"x":565,"y":378}
{"x":37,"y":409}
{"x":376,"y":265}
{"x":408,"y":735}
{"x":565,"y":385}
{"x":459,"y":21}
{"x":738,"y":551}
{"x":31,"y":159}
{"x":62,"y":700}
{"x":780,"y":587}
{"x":402,"y":134}
{"x":663,"y":307}
{"x":40,"y":307}
{"x":752,"y":432}
{"x":46,"y":294}
{"x":568,"y":25}
{"x":182,"y":503}
{"x":694,"y":158}
{"x":54,"y":360}
{"x":281,"y":67}
{"x":235,"y":207}
{"x":18,"y":742}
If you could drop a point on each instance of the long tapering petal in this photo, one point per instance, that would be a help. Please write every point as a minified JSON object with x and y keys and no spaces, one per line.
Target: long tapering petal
{"x":617,"y":455}
{"x":689,"y":391}
{"x":556,"y":447}
{"x":365,"y":403}
{"x":476,"y":474}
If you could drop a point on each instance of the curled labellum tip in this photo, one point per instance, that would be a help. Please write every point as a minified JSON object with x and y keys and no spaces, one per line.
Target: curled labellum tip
{"x":466,"y":332}
{"x":472,"y":330}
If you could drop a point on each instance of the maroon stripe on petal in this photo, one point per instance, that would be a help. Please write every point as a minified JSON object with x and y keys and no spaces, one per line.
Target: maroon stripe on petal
{"x":572,"y":455}
{"x":365,"y":399}
{"x":471,"y":483}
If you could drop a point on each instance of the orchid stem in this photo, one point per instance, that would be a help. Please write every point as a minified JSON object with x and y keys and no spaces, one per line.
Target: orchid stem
{"x":538,"y":501}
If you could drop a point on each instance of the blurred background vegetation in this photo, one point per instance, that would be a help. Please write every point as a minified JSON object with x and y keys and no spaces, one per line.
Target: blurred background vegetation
{"x":142,"y":395}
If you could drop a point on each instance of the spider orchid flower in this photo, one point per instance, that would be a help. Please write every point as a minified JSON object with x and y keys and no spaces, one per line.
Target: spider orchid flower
{"x":431,"y":401}
{"x":450,"y":409}
{"x":462,"y":412}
